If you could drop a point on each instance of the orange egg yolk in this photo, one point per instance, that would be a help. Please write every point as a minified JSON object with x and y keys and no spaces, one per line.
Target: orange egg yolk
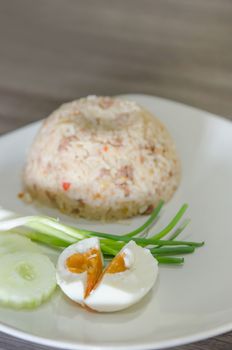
{"x":116,"y":265}
{"x":91,"y":262}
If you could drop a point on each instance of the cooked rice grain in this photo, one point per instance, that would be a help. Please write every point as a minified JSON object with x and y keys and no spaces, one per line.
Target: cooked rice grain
{"x":102,"y":158}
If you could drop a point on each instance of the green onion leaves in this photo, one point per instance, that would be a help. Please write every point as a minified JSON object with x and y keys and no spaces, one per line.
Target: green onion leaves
{"x":51,"y":232}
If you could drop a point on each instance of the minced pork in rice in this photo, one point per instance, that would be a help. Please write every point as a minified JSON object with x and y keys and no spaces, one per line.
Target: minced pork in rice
{"x":102,"y":158}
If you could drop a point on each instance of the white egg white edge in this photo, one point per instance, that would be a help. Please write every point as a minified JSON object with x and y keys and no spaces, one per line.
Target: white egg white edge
{"x":74,"y":284}
{"x":118,"y":291}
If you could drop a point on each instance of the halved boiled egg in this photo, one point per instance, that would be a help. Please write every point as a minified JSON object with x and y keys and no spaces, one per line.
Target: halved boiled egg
{"x":125,"y":281}
{"x":79,"y":268}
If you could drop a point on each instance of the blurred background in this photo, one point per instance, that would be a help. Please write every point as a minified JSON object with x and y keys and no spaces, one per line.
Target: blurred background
{"x":52,"y":51}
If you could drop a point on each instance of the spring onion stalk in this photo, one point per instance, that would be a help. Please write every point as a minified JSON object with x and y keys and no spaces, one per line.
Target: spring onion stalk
{"x":172,"y":250}
{"x":48,"y":240}
{"x":52,"y":232}
{"x":111,"y":249}
{"x":172,"y":224}
{"x":147,"y":241}
{"x":148,"y":223}
{"x":140,"y":229}
{"x":111,"y":243}
{"x":170,"y":260}
{"x":56,"y":227}
{"x":181,"y":228}
{"x":164,"y":260}
{"x":108,"y":250}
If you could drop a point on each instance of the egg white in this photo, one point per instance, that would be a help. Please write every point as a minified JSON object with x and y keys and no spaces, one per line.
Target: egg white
{"x":114,"y":291}
{"x":120,"y":290}
{"x":74,"y":284}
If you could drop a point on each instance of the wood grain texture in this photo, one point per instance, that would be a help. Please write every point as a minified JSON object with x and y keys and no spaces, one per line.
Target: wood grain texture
{"x":53,"y":51}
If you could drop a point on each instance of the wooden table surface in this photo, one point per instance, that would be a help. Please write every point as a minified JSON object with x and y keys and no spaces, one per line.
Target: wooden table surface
{"x":53,"y":51}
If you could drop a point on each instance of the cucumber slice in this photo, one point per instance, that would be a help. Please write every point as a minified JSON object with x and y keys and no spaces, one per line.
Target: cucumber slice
{"x":12,"y":242}
{"x":27,"y":279}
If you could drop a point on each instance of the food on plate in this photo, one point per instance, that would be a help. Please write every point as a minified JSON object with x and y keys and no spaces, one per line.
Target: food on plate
{"x":27,"y":276}
{"x":79,"y":268}
{"x":102,"y":158}
{"x":27,"y":279}
{"x":12,"y":242}
{"x":52,"y":232}
{"x":124,"y":282}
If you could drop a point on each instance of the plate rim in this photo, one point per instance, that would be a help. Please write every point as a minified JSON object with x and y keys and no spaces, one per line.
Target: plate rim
{"x":163,"y":344}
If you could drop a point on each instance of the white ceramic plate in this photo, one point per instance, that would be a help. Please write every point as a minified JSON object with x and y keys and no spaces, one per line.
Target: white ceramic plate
{"x":189,"y":303}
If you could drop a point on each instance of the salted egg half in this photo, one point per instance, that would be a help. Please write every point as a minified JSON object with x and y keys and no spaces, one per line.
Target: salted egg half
{"x":122,"y":283}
